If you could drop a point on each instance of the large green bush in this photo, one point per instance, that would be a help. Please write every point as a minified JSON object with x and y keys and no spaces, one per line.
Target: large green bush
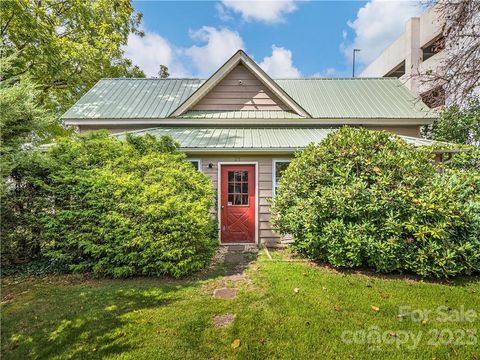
{"x":366,"y":198}
{"x":117,"y":208}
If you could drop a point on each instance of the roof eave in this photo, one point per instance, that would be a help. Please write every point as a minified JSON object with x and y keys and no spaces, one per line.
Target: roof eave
{"x":240,"y":151}
{"x":250,"y":121}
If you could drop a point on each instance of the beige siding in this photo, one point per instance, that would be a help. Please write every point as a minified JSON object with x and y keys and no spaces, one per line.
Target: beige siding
{"x":112,"y":128}
{"x":266,"y":234}
{"x":230,"y":94}
{"x":410,"y":130}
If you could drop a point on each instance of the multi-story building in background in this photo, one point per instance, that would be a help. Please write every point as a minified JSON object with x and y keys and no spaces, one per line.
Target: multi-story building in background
{"x":420,"y":49}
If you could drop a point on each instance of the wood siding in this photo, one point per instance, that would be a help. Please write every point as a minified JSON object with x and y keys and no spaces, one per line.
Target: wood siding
{"x":410,"y":130}
{"x":265,"y":232}
{"x":230,"y":94}
{"x":112,"y":128}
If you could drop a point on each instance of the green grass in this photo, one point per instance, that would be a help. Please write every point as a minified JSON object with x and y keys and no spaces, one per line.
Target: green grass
{"x":73,"y":316}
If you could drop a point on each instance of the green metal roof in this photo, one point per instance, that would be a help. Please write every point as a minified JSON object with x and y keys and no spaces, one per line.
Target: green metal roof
{"x":132,"y":98}
{"x":248,"y":139}
{"x":356,"y":98}
{"x":359,"y":98}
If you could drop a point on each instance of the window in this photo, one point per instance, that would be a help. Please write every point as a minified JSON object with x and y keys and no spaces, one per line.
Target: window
{"x":434,"y":98}
{"x":398,"y":71}
{"x":278,"y":167}
{"x":196,"y":163}
{"x":433,"y":48}
{"x":237,"y":188}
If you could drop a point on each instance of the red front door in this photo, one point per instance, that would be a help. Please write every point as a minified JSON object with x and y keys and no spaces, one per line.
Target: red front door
{"x":237,"y":203}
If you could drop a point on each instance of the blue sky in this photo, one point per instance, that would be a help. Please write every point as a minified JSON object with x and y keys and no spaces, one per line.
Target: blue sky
{"x":287,"y":38}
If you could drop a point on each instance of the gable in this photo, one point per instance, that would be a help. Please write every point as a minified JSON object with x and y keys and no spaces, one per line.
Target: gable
{"x":240,"y":90}
{"x":276,"y":96}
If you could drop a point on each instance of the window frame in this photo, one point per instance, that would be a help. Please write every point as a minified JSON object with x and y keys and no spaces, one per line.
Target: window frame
{"x":274,"y":172}
{"x":241,"y":193}
{"x":199,"y":161}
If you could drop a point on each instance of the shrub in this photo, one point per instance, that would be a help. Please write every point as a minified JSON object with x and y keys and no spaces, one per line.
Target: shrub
{"x":457,"y":124}
{"x":468,"y":159}
{"x":121,"y":208}
{"x":366,"y":198}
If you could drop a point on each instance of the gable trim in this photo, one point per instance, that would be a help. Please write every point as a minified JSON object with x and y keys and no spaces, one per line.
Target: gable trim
{"x":239,"y":57}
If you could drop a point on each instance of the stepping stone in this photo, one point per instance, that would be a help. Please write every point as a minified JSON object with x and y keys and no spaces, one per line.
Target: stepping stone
{"x":225,"y":293}
{"x":235,"y":276}
{"x":234,"y":258}
{"x":236,"y":248}
{"x":223,"y":320}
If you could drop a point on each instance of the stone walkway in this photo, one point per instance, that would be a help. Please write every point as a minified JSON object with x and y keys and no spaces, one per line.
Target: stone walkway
{"x":234,"y":260}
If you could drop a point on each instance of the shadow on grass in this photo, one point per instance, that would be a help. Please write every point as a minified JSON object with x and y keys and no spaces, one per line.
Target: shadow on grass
{"x":287,"y":255}
{"x":88,"y":321}
{"x":91,"y":318}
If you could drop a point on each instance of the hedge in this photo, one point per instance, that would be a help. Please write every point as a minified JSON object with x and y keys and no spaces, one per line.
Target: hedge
{"x":367,"y":199}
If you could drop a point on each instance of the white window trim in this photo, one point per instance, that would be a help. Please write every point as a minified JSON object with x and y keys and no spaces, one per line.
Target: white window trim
{"x":199,"y":163}
{"x":274,"y":177}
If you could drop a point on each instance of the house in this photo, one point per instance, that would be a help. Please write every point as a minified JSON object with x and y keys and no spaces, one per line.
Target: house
{"x":241,"y":127}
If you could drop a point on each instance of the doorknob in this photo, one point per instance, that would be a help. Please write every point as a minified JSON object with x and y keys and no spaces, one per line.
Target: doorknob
{"x":223,"y":206}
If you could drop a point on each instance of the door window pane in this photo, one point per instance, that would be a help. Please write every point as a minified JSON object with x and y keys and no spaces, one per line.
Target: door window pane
{"x":245,"y":188}
{"x":238,"y":199}
{"x":237,"y":188}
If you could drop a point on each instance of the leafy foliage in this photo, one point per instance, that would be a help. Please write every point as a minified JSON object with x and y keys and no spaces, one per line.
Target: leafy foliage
{"x":457,"y":124}
{"x":117,"y":208}
{"x":463,"y":157}
{"x":37,"y":267}
{"x":163,"y":72}
{"x":364,"y":198}
{"x":21,"y":119}
{"x":66,"y":46}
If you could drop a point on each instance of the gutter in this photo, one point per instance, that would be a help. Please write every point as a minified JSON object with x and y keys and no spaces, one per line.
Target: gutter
{"x":225,"y":122}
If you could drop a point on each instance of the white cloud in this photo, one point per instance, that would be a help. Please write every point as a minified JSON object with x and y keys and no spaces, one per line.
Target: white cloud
{"x":220,"y":44}
{"x":329,"y":72}
{"x":151,"y":50}
{"x":326,"y":73}
{"x":280,"y":64}
{"x":222,"y":12}
{"x":268,"y":11}
{"x":378,"y":24}
{"x":215,"y":46}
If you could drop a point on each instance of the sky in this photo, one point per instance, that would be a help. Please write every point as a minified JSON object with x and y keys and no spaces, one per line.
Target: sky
{"x":288,"y":39}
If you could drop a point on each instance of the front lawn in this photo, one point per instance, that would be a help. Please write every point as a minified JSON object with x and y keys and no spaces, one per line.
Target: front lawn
{"x":283,"y":309}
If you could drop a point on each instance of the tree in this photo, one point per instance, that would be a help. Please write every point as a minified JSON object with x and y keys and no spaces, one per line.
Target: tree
{"x":458,"y":76}
{"x":113,"y":207}
{"x":163,"y":72}
{"x":457,"y":124}
{"x":21,"y":119}
{"x":66,"y":46}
